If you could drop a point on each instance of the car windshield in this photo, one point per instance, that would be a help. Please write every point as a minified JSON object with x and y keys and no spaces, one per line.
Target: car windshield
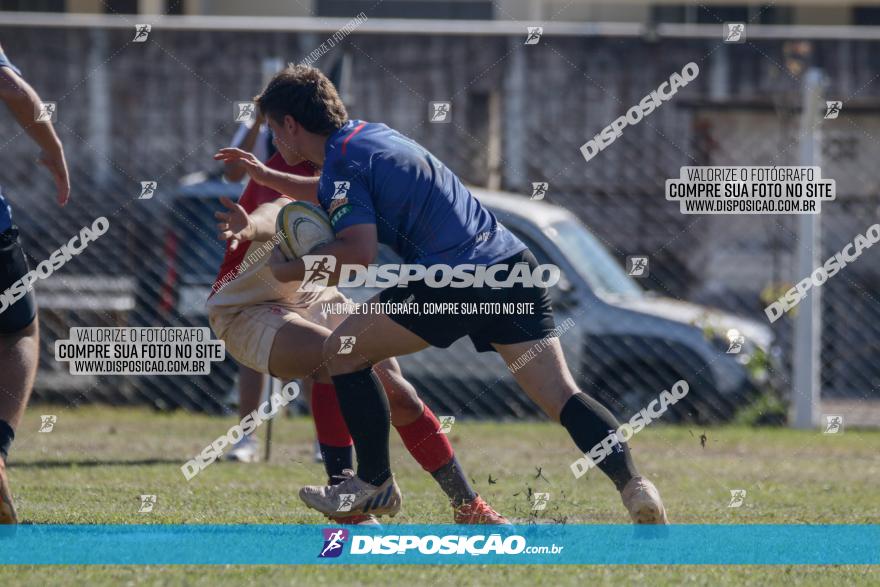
{"x":591,"y":260}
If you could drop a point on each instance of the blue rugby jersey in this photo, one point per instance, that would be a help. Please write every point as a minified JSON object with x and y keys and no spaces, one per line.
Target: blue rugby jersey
{"x":5,"y":209}
{"x":374,"y":175}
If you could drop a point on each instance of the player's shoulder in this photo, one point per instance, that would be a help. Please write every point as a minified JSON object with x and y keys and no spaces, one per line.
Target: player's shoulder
{"x":357,"y":140}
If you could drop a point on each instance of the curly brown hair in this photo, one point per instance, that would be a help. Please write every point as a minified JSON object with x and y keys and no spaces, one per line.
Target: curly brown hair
{"x":307,"y":95}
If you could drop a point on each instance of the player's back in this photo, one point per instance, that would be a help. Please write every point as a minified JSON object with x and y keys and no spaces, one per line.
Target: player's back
{"x":421,"y":209}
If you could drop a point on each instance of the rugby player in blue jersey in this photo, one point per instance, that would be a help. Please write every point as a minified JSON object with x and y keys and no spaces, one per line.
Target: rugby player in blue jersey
{"x":379,"y":186}
{"x":19,"y":332}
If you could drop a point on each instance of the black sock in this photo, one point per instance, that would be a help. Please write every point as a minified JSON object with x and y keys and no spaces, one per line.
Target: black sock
{"x":453,"y":482}
{"x":6,"y":437}
{"x":589,"y":422}
{"x":365,"y":409}
{"x":336,"y":460}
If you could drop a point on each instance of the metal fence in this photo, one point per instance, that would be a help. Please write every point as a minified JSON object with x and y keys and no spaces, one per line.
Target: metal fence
{"x":130,"y":112}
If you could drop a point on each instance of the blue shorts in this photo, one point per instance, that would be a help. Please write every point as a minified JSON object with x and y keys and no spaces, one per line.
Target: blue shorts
{"x":5,"y":215}
{"x":13,"y":267}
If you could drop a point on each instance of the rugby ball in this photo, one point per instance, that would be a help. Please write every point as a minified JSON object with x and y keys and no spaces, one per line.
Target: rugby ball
{"x":302,"y":227}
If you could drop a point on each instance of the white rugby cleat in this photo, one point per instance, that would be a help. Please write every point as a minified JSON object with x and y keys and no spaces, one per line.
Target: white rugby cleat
{"x":246,"y":450}
{"x":643,"y":502}
{"x":353,"y":497}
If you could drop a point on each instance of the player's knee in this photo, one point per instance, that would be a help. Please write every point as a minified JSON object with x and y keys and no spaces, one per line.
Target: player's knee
{"x":341,"y":356}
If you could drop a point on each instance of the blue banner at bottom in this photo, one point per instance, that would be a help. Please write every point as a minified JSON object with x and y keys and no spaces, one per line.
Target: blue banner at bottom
{"x":441,"y":544}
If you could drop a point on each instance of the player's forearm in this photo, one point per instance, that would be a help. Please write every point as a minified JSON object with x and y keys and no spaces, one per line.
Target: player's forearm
{"x":23,"y":102}
{"x":345,"y":253}
{"x":300,"y":187}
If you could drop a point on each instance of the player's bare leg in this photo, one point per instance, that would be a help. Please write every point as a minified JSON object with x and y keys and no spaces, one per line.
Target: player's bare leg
{"x":19,"y":356}
{"x":308,"y":388}
{"x":548,"y":382}
{"x":369,"y":421}
{"x":250,"y":392}
{"x":297,"y":352}
{"x":365,"y":409}
{"x":419,"y":429}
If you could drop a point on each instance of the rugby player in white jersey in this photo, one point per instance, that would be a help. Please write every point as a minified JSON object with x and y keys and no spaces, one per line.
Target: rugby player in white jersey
{"x":272,"y":328}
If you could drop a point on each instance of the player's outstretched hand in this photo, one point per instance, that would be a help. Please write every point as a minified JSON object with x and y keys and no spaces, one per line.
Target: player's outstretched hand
{"x":252,"y":165}
{"x":56,"y":164}
{"x":235,"y":225}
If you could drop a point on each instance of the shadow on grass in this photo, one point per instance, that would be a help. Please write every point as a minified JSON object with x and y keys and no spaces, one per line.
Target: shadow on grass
{"x":93,"y":463}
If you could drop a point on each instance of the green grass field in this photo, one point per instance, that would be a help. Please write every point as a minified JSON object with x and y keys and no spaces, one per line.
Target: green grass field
{"x":95,"y":464}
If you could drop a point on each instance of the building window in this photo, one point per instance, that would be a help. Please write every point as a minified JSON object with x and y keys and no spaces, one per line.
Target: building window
{"x":174,"y":7}
{"x":718,"y":13}
{"x":32,"y":5}
{"x":120,"y":6}
{"x":866,"y":15}
{"x":455,"y":9}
